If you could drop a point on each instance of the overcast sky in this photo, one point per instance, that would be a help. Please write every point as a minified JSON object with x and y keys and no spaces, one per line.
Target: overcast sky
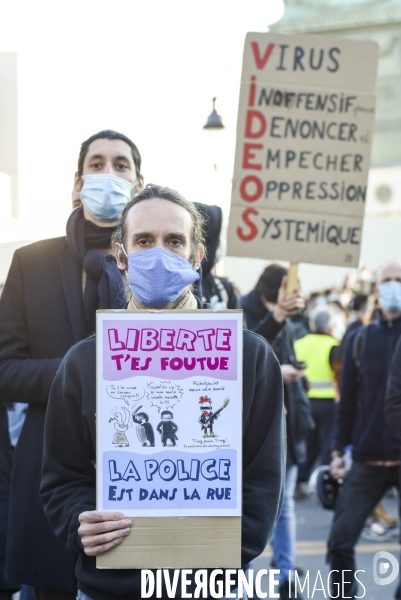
{"x":147,"y":68}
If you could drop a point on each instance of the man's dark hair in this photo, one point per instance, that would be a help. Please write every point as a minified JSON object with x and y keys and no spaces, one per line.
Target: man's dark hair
{"x":270,"y":281}
{"x":151,"y":192}
{"x":109,"y":134}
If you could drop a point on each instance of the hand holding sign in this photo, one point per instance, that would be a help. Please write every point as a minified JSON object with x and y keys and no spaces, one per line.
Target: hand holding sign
{"x":126,"y":392}
{"x":291,"y":302}
{"x":287,"y":304}
{"x":101,"y":530}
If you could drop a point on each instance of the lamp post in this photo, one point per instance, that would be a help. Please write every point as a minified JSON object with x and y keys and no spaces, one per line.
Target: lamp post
{"x":215,"y":123}
{"x":214,"y":120}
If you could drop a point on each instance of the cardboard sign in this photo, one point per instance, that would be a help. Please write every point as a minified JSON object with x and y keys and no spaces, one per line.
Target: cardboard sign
{"x":169,"y":432}
{"x":304,"y":133}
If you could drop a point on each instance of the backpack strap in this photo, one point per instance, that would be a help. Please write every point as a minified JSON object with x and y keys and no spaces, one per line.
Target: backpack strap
{"x":358,"y":348}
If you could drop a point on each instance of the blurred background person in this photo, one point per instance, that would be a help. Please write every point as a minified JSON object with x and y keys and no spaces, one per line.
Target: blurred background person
{"x":316,"y":350}
{"x":7,"y":587}
{"x":358,"y":308}
{"x":12,"y":417}
{"x":360,"y":422}
{"x":359,"y":314}
{"x":267,"y":310}
{"x":392,"y":411}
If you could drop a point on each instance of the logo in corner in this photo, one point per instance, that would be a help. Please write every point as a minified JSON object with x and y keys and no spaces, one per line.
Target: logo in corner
{"x":381,"y":565}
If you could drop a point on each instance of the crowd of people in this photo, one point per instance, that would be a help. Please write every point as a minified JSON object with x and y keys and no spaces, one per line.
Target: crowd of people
{"x":321,"y":382}
{"x":335,"y":358}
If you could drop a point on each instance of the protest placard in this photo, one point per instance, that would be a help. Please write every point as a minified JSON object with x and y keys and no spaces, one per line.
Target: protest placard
{"x":304,"y":133}
{"x":169,"y":435}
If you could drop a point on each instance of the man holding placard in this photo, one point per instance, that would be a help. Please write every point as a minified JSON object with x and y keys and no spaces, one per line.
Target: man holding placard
{"x":159,"y":245}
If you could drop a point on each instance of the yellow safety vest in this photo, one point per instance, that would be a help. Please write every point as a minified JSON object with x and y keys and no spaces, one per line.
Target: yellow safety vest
{"x":314,"y":349}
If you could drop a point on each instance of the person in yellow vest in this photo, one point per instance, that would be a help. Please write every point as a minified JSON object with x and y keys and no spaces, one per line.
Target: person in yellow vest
{"x":316,"y":350}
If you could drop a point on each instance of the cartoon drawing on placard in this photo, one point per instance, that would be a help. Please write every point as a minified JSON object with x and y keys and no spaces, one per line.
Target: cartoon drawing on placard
{"x":208,"y":417}
{"x":121,"y":421}
{"x":144,"y":429}
{"x":167,"y":428}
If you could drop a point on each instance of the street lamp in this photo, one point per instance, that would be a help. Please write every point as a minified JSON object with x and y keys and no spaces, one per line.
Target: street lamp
{"x":214,"y":120}
{"x":215,"y":123}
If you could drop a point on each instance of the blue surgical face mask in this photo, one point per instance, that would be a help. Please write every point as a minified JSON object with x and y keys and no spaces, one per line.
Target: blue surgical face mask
{"x":157,"y":277}
{"x":105,"y":195}
{"x":390,"y":296}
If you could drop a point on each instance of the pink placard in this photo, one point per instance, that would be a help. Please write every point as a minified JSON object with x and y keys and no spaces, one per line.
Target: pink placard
{"x":171,"y":349}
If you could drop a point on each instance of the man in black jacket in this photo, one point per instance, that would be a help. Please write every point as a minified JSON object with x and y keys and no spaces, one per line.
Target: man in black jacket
{"x":392,"y":406}
{"x":392,"y":409}
{"x":361,"y":422}
{"x":157,"y":222}
{"x":49,"y":302}
{"x":266,"y":310}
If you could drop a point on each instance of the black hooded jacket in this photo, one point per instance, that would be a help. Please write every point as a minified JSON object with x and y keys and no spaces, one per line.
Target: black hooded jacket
{"x":360,"y":417}
{"x":279,"y":335}
{"x":392,"y":407}
{"x":217,"y":291}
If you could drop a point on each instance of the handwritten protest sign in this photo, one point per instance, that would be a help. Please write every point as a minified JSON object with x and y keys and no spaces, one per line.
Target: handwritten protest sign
{"x":304,"y":133}
{"x":169,"y":413}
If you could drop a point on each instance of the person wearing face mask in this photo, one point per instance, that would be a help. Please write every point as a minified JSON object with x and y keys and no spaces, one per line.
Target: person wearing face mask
{"x":159,"y":245}
{"x":49,"y":301}
{"x":361,"y":422}
{"x":267,"y":309}
{"x":392,"y":410}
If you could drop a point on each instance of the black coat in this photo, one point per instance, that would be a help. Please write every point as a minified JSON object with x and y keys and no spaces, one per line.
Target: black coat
{"x":69,"y":481}
{"x":6,"y":458}
{"x":259,"y":318}
{"x":279,"y":335}
{"x":360,"y":416}
{"x":41,"y":317}
{"x":392,"y":406}
{"x":217,"y":291}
